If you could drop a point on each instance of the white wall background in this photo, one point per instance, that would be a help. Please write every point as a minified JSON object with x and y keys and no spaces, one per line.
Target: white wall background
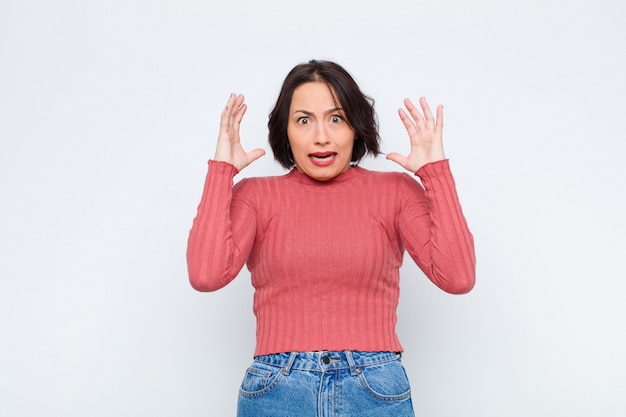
{"x":109,"y":111}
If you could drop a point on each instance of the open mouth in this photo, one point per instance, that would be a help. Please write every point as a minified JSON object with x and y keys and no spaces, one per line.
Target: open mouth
{"x":323,"y":156}
{"x":323,"y":159}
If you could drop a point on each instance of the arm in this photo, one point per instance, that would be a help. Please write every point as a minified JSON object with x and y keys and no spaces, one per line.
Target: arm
{"x":223,"y":230}
{"x":431,"y":224}
{"x":434,"y":231}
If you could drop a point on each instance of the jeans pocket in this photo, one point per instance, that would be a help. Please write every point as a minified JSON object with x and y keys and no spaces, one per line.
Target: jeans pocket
{"x":386,"y":382}
{"x":259,"y":380}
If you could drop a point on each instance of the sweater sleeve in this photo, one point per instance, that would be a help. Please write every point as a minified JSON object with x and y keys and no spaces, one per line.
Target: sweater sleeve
{"x":434,"y":230}
{"x":222,"y":232}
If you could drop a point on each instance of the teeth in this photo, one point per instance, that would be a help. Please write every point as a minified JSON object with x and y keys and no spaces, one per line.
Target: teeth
{"x":323,"y":157}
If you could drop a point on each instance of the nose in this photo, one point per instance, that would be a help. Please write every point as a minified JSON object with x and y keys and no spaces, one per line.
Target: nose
{"x":321,"y":136}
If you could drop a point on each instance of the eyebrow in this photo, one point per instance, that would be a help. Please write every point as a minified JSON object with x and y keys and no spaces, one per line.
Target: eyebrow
{"x":307,"y":112}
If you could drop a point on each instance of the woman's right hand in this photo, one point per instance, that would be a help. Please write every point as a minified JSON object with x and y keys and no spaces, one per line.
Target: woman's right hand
{"x":228,"y":143}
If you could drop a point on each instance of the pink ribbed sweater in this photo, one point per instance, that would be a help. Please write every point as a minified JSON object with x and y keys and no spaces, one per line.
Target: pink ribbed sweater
{"x":324,"y":257}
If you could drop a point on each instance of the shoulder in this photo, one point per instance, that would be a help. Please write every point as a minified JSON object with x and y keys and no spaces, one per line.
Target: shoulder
{"x":403,"y":188}
{"x":391,"y":178}
{"x":254,"y":185}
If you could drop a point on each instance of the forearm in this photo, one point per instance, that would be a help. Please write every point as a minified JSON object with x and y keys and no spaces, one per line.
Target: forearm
{"x":453,"y":261}
{"x":434,"y":230}
{"x":212,"y":259}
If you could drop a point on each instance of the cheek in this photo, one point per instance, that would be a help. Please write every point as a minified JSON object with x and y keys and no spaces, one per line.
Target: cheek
{"x":349,"y":145}
{"x":296,"y":149}
{"x":292,"y":135}
{"x":296,"y":138}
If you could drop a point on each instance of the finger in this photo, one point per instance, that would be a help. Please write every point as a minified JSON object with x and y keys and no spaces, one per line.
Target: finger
{"x":415,"y":114}
{"x":239,"y":115}
{"x":227,"y":109}
{"x":397,"y":158}
{"x":233,"y":113}
{"x":230,"y":120}
{"x":439,"y":123}
{"x":239,"y":99}
{"x":238,"y":107}
{"x":428,"y":115}
{"x":408,"y":123}
{"x":233,"y":105}
{"x":255,"y":154}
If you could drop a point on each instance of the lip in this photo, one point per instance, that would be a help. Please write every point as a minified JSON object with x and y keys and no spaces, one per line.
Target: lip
{"x":322,"y":159}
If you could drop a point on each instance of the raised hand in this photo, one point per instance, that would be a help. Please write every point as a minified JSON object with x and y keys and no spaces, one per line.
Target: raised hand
{"x":425,"y":134}
{"x":228,"y":142}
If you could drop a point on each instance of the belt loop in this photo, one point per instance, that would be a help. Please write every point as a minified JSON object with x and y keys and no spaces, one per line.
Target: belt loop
{"x":354,"y":370}
{"x":287,"y":368}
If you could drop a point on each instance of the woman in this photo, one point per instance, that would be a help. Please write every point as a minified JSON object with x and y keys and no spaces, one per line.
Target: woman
{"x":324,"y":244}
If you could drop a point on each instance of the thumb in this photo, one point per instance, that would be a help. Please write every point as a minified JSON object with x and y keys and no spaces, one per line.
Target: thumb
{"x":255,"y":154}
{"x":397,"y":158}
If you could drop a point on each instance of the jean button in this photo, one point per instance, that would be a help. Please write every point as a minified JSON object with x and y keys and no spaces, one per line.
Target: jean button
{"x":326,"y":360}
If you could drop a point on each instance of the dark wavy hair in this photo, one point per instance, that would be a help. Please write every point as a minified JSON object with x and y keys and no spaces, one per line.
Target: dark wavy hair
{"x":358,"y":109}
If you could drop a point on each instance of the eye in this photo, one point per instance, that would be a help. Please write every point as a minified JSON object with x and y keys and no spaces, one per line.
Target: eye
{"x":303,"y":120}
{"x":336,"y":118}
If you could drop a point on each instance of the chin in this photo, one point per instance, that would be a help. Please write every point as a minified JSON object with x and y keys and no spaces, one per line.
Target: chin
{"x":323,"y":178}
{"x":324,"y":175}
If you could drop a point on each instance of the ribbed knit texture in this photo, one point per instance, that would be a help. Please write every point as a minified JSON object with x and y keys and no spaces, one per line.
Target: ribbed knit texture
{"x":325,"y":256}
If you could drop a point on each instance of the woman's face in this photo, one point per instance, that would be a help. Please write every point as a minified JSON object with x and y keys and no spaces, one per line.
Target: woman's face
{"x":321,"y":139}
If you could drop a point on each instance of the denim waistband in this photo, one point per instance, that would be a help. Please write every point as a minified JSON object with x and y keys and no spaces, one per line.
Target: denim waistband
{"x":323,"y":360}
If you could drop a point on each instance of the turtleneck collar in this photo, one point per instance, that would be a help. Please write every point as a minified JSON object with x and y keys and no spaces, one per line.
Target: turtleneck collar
{"x":354,"y":173}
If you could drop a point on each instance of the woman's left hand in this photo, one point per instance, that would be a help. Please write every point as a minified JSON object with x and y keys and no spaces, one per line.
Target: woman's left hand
{"x":425,"y":133}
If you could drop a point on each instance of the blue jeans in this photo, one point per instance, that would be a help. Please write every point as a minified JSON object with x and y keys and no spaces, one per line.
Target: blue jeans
{"x":326,"y":384}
